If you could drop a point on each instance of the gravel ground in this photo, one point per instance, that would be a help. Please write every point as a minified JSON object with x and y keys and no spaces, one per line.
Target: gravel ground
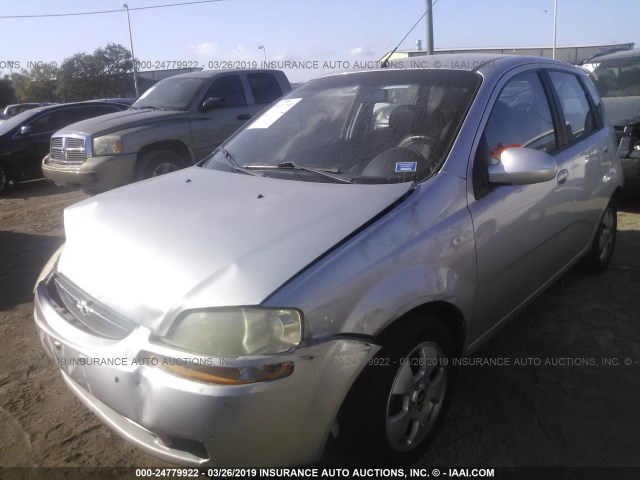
{"x":571,"y":400}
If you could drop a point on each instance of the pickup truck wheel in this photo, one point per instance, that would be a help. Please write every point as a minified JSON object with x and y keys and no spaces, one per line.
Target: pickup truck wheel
{"x":399,"y":400}
{"x":599,"y":256}
{"x":159,"y":162}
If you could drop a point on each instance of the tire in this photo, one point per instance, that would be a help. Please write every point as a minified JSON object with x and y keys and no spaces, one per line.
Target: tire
{"x":4,"y":179}
{"x":598,"y":258}
{"x":397,"y":404}
{"x":160,"y":162}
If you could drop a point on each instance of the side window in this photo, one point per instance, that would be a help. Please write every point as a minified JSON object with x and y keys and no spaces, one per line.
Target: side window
{"x":49,"y":122}
{"x":228,"y":88}
{"x":595,"y":101}
{"x":521,"y":117}
{"x":580,"y":121}
{"x":264,"y":87}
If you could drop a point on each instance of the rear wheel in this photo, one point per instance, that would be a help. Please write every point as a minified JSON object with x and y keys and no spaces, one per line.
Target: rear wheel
{"x":599,"y":256}
{"x":398,"y":403}
{"x":160,"y":162}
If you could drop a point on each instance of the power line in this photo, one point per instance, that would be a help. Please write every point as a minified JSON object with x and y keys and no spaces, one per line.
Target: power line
{"x":100,"y":12}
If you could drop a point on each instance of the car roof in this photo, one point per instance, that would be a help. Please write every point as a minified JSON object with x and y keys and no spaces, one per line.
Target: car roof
{"x":487,"y":64}
{"x":62,"y":106}
{"x":613,"y":56}
{"x":213,"y":73}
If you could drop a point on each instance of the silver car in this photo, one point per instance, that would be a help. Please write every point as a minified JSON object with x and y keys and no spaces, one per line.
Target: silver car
{"x":321,"y":272}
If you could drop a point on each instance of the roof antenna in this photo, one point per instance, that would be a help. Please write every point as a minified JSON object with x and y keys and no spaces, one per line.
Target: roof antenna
{"x":385,"y":62}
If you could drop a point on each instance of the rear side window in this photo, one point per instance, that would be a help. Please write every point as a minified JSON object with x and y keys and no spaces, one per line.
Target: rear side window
{"x":264,"y":87}
{"x":229,"y":89}
{"x":595,"y":101}
{"x":580,"y":120}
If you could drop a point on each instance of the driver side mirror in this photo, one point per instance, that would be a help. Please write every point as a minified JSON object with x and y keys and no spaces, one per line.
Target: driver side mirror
{"x":212,"y":103}
{"x":523,"y":166}
{"x":26,"y":130}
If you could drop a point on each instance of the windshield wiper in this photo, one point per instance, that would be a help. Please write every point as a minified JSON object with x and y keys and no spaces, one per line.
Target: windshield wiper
{"x":233,"y":163}
{"x":151,"y":107}
{"x":295,"y":166}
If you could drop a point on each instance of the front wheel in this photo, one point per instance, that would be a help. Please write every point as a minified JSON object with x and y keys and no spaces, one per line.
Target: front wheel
{"x":160,"y":162}
{"x":398,"y":403}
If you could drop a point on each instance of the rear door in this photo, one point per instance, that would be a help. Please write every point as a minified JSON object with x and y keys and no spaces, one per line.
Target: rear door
{"x":524,"y":233}
{"x":591,"y":144}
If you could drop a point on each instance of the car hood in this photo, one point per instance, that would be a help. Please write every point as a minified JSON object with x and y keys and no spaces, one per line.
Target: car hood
{"x":201,"y":238}
{"x":622,"y":111}
{"x":120,"y":120}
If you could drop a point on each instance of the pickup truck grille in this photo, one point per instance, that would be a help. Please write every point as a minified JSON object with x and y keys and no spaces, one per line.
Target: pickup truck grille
{"x":68,"y":150}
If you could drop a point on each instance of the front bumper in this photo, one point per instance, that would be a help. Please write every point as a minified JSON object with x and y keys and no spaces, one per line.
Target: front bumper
{"x":277,"y":423}
{"x":95,"y":174}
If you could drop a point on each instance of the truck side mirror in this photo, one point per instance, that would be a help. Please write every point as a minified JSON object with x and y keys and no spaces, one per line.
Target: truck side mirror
{"x":211,"y":103}
{"x":26,"y":130}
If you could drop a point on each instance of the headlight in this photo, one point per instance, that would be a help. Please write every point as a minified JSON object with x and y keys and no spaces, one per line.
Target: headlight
{"x":107,"y":145}
{"x":236,"y":331}
{"x":49,"y":266}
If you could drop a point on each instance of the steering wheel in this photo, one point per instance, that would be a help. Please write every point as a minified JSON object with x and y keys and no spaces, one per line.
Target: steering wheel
{"x":411,"y":140}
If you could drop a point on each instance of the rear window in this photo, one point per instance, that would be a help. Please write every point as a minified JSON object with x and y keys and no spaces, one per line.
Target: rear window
{"x":618,"y":78}
{"x":264,"y":87}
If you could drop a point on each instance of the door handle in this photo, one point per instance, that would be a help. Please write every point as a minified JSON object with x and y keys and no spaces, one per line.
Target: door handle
{"x":562,"y":176}
{"x":244,"y":116}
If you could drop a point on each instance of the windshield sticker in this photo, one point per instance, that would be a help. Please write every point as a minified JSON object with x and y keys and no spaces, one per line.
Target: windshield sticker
{"x":269,"y":117}
{"x":406,"y":167}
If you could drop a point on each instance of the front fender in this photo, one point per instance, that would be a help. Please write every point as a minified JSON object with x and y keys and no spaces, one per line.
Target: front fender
{"x":421,"y":251}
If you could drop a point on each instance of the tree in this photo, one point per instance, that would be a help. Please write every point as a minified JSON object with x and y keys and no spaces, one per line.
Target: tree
{"x":7,"y":92}
{"x":36,"y":85}
{"x":105,"y":73}
{"x":79,"y":78}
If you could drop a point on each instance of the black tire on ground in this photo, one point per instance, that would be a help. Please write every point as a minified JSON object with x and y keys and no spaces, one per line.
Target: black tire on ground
{"x":604,"y":241}
{"x":159,"y":162}
{"x":397,"y":404}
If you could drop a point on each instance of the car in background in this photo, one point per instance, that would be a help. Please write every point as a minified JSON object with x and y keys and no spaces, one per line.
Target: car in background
{"x":174,"y":124}
{"x":16,"y":108}
{"x":320,"y":272}
{"x":25,"y":138}
{"x":616,"y":76}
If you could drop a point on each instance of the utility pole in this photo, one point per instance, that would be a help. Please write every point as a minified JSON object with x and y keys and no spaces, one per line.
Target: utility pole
{"x":555,"y":21}
{"x":429,"y":28}
{"x":133,"y":56}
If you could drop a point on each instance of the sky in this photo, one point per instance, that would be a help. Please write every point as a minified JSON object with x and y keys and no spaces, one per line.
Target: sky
{"x":325,"y":34}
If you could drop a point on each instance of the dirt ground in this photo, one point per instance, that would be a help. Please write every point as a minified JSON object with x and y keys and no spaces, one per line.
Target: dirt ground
{"x":576,"y":411}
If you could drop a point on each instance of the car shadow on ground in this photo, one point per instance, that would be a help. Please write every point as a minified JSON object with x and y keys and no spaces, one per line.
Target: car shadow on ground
{"x":34,"y":188}
{"x":23,"y":256}
{"x":630,"y":203}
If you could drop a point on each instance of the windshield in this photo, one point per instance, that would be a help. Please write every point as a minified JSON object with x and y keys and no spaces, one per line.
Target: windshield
{"x":175,"y":93}
{"x":618,"y":78}
{"x":373,"y":127}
